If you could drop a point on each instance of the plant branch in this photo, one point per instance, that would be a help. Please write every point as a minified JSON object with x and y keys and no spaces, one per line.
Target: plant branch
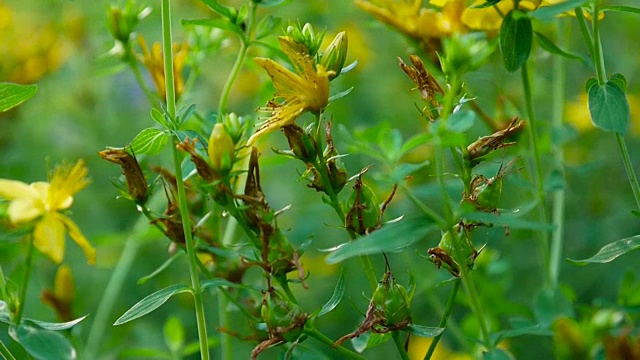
{"x":445,"y":318}
{"x":25,"y":280}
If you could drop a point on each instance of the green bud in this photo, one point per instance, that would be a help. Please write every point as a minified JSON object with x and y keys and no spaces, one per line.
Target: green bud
{"x":397,"y":308}
{"x":121,"y":21}
{"x":364,"y":209}
{"x":283,"y":318}
{"x":464,"y":53}
{"x":235,"y":126}
{"x":221,"y":149}
{"x":301,"y":143}
{"x":306,"y":36}
{"x":486,"y":193}
{"x":335,"y":55}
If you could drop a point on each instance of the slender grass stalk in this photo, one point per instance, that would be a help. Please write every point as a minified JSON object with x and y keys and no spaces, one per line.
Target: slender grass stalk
{"x":182,"y":198}
{"x":28,"y":262}
{"x":346,"y":353}
{"x":558,"y":195}
{"x":4,"y":351}
{"x":399,"y":345}
{"x":445,"y":318}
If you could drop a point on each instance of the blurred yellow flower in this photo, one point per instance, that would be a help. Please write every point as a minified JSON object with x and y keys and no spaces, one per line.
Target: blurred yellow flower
{"x":421,"y":24}
{"x":418,"y":347}
{"x":577,"y":113}
{"x":307,"y":89}
{"x":153,"y":60}
{"x":61,"y":298}
{"x":43,"y":202}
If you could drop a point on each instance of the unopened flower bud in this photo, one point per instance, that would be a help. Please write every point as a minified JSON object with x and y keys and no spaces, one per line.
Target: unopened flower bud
{"x":221,"y":149}
{"x":306,"y":37}
{"x":235,"y":126}
{"x":134,"y":178}
{"x":335,"y":55}
{"x":121,"y":21}
{"x":283,"y":318}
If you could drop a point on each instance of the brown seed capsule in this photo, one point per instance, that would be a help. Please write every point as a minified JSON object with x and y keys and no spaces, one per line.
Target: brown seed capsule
{"x":134,"y":178}
{"x":497,"y":140}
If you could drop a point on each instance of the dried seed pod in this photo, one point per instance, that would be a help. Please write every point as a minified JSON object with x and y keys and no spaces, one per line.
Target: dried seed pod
{"x":497,"y":140}
{"x":134,"y":178}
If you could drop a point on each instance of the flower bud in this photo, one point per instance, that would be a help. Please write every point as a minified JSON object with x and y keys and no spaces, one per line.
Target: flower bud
{"x":335,"y":55}
{"x":221,"y":149}
{"x":364,"y":209}
{"x":283,"y":318}
{"x":306,"y":36}
{"x":235,"y":126}
{"x":122,"y":21}
{"x":301,"y":143}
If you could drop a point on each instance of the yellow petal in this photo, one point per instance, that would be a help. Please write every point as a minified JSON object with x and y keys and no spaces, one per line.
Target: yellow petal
{"x":65,"y":183}
{"x":48,"y":237}
{"x":63,"y":285}
{"x":13,"y":189}
{"x":76,"y":235}
{"x":24,"y":210}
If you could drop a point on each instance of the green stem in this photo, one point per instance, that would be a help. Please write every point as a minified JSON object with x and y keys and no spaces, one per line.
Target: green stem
{"x":558,"y":196}
{"x":226,"y":347}
{"x":4,"y":351}
{"x":182,"y":198}
{"x":532,"y":130}
{"x":346,"y":353}
{"x":584,"y":30}
{"x":631,"y":174}
{"x":597,"y":46}
{"x":399,"y":345}
{"x":224,"y":98}
{"x":424,"y":208}
{"x":25,"y":280}
{"x":445,"y":318}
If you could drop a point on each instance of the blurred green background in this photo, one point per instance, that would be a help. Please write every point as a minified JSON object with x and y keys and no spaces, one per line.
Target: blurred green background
{"x":87,"y":100}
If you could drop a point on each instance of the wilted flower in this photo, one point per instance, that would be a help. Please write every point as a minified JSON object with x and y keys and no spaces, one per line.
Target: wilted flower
{"x":306,"y":89}
{"x":154,"y":62}
{"x":133,"y":176}
{"x":44,"y":203}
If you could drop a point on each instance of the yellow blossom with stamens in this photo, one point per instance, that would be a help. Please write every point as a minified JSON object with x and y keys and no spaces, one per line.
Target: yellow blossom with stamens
{"x":42,"y":203}
{"x":153,"y":60}
{"x":306,"y":89}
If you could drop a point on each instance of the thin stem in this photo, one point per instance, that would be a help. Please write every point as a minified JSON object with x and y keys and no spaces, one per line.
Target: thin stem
{"x":182,"y":198}
{"x":445,"y":318}
{"x":532,"y":130}
{"x":25,"y":280}
{"x":399,"y":345}
{"x":224,"y":97}
{"x":442,"y":223}
{"x":226,"y":347}
{"x":348,"y":354}
{"x":558,"y":196}
{"x":597,"y":46}
{"x":633,"y":180}
{"x":4,"y":351}
{"x":584,"y":30}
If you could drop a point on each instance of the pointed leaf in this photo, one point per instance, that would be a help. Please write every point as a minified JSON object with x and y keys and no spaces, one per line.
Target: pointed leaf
{"x":609,"y":107}
{"x":611,"y":251}
{"x":552,"y":48}
{"x":57,"y":326}
{"x":338,"y":293}
{"x":547,"y":13}
{"x":214,"y":283}
{"x":516,"y":36}
{"x":216,"y":23}
{"x":424,"y":331}
{"x":161,"y":268}
{"x":267,"y":26}
{"x":497,"y":337}
{"x":159,"y":117}
{"x":151,"y":302}
{"x":621,"y":9}
{"x":42,"y":344}
{"x":12,"y":95}
{"x":185,"y":113}
{"x":149,"y":141}
{"x":509,"y":220}
{"x":220,"y":9}
{"x":390,"y":238}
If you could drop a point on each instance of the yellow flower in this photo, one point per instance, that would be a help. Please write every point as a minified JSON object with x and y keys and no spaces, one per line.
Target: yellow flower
{"x":43,"y":202}
{"x":577,"y":113}
{"x":418,"y":347}
{"x":421,"y":24}
{"x":306,"y":89}
{"x":153,"y":60}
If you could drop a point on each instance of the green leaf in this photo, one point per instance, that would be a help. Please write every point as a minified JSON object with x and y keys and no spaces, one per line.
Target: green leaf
{"x":266,"y":3}
{"x":266,"y":26}
{"x":151,"y":302}
{"x":497,"y":337}
{"x":215,"y":23}
{"x":461,"y":121}
{"x":369,"y":340}
{"x":547,"y":13}
{"x":160,"y":118}
{"x":590,"y":83}
{"x":12,"y":95}
{"x":510,"y":220}
{"x":220,"y":9}
{"x":149,"y":141}
{"x":185,"y":113}
{"x":214,"y":283}
{"x":516,"y":36}
{"x":609,"y":107}
{"x":42,"y":344}
{"x":401,"y":171}
{"x":340,"y":95}
{"x":486,"y":4}
{"x":384,"y":240}
{"x":174,"y":334}
{"x":611,"y":251}
{"x":620,"y":8}
{"x":619,"y":80}
{"x":424,"y":331}
{"x":497,"y":354}
{"x":552,"y":48}
{"x":57,"y":326}
{"x":415,"y":141}
{"x":161,"y":268}
{"x":338,"y":293}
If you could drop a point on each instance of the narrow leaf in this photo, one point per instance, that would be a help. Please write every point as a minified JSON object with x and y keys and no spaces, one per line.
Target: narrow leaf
{"x":149,"y":141}
{"x":160,"y":118}
{"x":161,"y":268}
{"x":220,"y":9}
{"x":424,"y":331}
{"x":620,"y":8}
{"x":497,"y":337}
{"x":214,"y":283}
{"x":185,"y":113}
{"x":609,"y":107}
{"x":516,"y":37}
{"x":12,"y":95}
{"x":510,"y":220}
{"x":42,"y":344}
{"x":611,"y":251}
{"x":338,"y":293}
{"x":215,"y":23}
{"x":552,"y":48}
{"x":57,"y":326}
{"x":547,"y":13}
{"x":151,"y":302}
{"x":267,"y":26}
{"x":386,"y":239}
